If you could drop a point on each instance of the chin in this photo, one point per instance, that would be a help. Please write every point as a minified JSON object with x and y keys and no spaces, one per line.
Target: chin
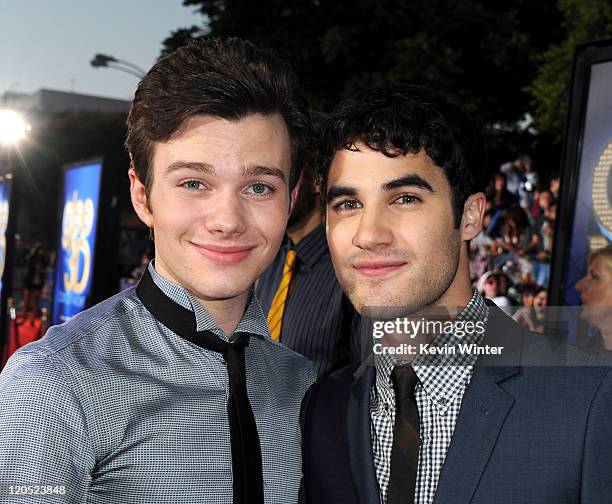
{"x":219,"y":290}
{"x":380,"y":307}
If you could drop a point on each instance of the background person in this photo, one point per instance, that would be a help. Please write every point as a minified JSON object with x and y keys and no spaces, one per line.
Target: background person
{"x":596,"y":293}
{"x":36,"y":266}
{"x":533,"y":313}
{"x":489,"y":285}
{"x":305,"y":306}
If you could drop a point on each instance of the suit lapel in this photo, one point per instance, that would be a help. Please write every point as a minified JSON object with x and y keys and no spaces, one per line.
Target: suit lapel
{"x":484,"y":409}
{"x":358,"y":438}
{"x":483,"y":412}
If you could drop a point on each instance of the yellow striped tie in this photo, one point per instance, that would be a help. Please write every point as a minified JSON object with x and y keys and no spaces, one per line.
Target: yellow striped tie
{"x":275,"y":315}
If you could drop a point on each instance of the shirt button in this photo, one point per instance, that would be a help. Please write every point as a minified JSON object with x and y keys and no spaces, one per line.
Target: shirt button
{"x":442,"y":401}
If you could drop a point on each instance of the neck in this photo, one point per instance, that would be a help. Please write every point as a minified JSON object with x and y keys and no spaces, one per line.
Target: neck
{"x":305,"y":226}
{"x":606,"y":334}
{"x":459,"y":293}
{"x":226,"y":312}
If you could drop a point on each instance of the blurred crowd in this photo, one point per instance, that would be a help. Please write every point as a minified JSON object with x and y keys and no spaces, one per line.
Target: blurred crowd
{"x":510,"y":259}
{"x":33,"y":277}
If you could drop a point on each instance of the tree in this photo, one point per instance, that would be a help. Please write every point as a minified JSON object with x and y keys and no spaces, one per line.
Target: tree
{"x":584,"y":21}
{"x":478,"y":53}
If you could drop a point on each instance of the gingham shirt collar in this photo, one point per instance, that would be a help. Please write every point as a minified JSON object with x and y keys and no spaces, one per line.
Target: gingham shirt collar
{"x":252,"y":322}
{"x":442,"y":382}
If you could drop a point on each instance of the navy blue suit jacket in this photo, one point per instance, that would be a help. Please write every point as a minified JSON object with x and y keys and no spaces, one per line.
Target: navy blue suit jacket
{"x":526,"y":433}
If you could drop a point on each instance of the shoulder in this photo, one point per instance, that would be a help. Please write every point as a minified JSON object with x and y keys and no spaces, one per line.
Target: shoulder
{"x":89,"y":323}
{"x":529,"y":349}
{"x":29,"y":372}
{"x":34,"y":390}
{"x":343,"y":377}
{"x":335,"y":386}
{"x":502,"y":301}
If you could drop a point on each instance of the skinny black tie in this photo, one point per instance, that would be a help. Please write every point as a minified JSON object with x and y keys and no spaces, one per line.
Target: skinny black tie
{"x":246,"y":451}
{"x":406,"y":438}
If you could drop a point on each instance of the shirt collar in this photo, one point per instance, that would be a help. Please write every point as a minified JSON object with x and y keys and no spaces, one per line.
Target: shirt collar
{"x":442,"y":381}
{"x":253,"y":321}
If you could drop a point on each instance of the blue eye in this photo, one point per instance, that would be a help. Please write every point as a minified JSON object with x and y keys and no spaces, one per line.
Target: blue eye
{"x":193,"y":185}
{"x":260,"y":189}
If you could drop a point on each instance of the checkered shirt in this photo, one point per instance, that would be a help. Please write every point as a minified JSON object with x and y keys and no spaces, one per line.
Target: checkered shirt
{"x":116,"y":408}
{"x":438,"y":394}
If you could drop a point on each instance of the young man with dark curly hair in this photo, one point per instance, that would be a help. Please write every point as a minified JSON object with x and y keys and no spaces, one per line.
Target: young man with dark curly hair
{"x":456,"y":403}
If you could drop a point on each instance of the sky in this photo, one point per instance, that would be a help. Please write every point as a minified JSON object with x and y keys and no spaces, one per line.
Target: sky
{"x":49,"y":43}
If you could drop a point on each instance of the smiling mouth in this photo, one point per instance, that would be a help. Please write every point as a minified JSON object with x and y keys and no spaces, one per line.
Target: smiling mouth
{"x":377,"y":269}
{"x":224,"y":255}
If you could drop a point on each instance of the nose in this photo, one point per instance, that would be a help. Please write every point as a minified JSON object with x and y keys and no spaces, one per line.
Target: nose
{"x":580,"y":285}
{"x":373,"y":231}
{"x":225,"y":214}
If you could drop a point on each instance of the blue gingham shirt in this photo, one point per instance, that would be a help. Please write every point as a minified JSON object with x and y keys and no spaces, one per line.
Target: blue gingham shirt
{"x":438,"y":394}
{"x":116,"y":408}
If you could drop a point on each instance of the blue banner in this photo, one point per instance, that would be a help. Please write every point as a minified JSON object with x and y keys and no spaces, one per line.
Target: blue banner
{"x":75,"y":254}
{"x":5,"y":200}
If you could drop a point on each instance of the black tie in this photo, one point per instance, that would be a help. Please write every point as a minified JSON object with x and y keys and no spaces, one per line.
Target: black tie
{"x":246,"y":452}
{"x":406,"y":438}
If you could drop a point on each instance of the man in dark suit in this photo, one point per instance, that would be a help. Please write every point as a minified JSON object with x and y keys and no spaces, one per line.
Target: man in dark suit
{"x":455,"y":403}
{"x":305,"y":306}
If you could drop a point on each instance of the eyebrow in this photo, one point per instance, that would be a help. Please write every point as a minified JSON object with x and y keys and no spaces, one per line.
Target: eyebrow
{"x":339,"y":191}
{"x":408,"y":180}
{"x":207,"y":168}
{"x":190,"y":165}
{"x":260,"y":170}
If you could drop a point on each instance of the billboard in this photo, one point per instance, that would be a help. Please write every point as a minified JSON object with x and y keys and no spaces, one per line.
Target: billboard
{"x":585,"y":210}
{"x":5,"y":201}
{"x":77,"y":242}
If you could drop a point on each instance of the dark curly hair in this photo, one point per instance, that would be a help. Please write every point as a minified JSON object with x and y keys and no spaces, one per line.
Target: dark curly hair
{"x":399,"y":120}
{"x":227,"y":79}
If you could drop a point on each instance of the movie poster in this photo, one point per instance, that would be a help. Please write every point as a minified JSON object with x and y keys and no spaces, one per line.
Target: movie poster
{"x":585,"y":222}
{"x":75,"y":253}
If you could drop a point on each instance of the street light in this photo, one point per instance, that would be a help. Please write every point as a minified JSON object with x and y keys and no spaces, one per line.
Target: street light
{"x":13,"y":127}
{"x":104,"y":60}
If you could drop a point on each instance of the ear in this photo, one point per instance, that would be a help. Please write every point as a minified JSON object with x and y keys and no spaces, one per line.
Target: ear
{"x":317,"y":186}
{"x":473,"y":213}
{"x":138,"y":195}
{"x":294,"y":195}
